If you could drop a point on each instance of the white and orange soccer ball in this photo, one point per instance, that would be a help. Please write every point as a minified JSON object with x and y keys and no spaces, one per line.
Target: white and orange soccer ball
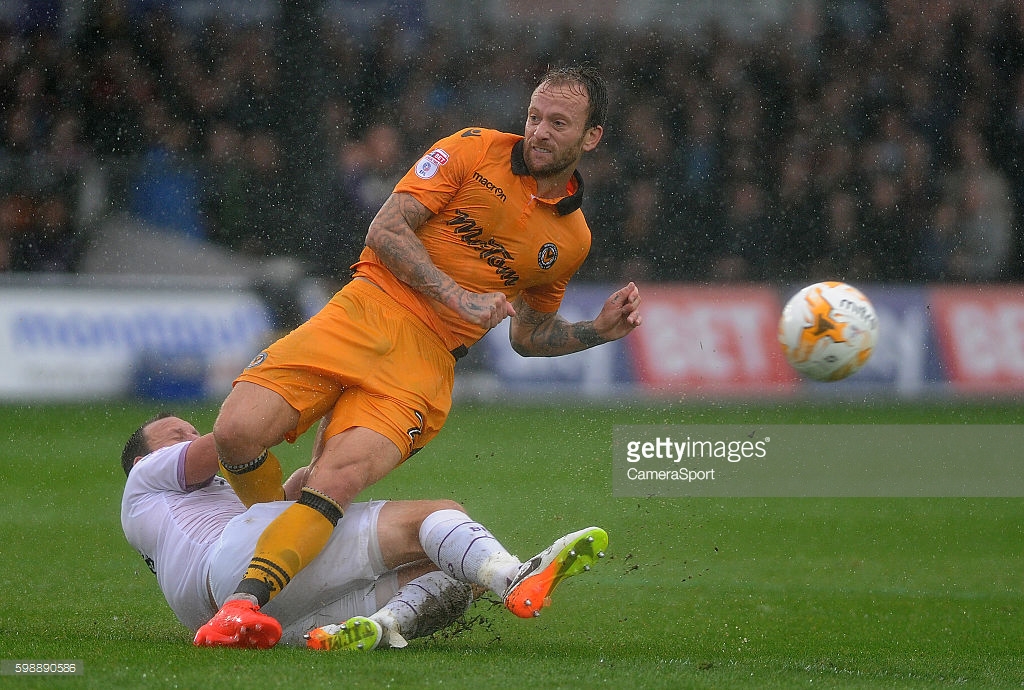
{"x":828,"y":330}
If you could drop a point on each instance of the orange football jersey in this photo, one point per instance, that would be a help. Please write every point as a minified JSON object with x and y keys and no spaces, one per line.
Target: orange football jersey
{"x":490,"y":231}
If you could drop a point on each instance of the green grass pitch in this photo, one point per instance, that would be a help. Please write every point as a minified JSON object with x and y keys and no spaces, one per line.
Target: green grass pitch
{"x":694,"y":593}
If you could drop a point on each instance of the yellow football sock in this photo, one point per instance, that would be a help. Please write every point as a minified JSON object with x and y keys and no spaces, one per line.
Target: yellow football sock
{"x":289,"y":543}
{"x":258,"y":481}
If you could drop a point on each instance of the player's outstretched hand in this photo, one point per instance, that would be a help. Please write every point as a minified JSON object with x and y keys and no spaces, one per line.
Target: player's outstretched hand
{"x":620,"y":313}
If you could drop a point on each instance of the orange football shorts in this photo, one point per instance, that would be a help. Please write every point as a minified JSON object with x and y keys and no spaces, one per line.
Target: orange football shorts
{"x":368,"y":361}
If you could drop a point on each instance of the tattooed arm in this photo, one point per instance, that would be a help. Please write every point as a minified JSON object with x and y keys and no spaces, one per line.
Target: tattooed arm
{"x":546,"y":334}
{"x":392,"y":236}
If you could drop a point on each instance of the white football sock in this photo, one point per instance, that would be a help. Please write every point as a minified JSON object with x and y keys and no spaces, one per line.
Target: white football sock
{"x":467,"y":550}
{"x":423,"y":606}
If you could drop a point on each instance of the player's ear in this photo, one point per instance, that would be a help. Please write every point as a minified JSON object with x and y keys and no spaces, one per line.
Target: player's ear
{"x":591,"y":137}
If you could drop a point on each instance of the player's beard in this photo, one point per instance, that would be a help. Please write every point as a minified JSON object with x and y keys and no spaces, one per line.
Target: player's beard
{"x":561,"y":165}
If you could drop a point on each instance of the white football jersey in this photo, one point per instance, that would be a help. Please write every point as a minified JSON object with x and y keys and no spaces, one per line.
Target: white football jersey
{"x":176,"y":528}
{"x":198,"y":541}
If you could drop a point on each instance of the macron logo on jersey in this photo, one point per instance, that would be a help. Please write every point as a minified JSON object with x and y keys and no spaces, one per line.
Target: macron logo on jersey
{"x":431,"y":163}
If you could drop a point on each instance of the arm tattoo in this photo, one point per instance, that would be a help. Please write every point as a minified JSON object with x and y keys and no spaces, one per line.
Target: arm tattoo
{"x":546,"y":334}
{"x":587,"y":334}
{"x":392,"y":236}
{"x":413,"y":212}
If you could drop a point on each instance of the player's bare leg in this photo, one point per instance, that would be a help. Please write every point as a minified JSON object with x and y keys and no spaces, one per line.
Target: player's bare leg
{"x":252,"y":420}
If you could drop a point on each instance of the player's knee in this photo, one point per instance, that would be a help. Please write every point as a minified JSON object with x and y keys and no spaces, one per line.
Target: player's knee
{"x":411,"y":514}
{"x":251,"y":419}
{"x":436,"y":508}
{"x":242,"y":435}
{"x":230,"y":434}
{"x":445,"y":504}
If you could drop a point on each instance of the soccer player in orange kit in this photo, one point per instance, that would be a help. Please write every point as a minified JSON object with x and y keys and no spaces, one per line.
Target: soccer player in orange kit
{"x":486,"y":226}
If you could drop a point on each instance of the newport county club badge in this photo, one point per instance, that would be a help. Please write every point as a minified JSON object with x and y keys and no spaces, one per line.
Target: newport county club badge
{"x":547,"y":255}
{"x":257,"y":360}
{"x":429,"y":164}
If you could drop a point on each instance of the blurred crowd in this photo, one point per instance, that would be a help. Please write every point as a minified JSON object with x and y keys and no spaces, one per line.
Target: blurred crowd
{"x":865,"y":140}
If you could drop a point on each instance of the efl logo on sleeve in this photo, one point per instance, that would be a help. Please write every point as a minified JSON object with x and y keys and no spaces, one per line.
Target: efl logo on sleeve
{"x":431,"y":163}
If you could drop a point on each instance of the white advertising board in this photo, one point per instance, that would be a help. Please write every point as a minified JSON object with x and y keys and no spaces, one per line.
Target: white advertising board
{"x":74,"y":343}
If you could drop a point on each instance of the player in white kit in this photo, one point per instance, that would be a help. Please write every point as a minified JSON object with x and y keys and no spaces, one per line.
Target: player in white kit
{"x":392,"y":570}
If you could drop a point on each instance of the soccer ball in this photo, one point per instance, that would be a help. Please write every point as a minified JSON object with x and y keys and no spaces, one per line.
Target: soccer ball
{"x":828,"y":330}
